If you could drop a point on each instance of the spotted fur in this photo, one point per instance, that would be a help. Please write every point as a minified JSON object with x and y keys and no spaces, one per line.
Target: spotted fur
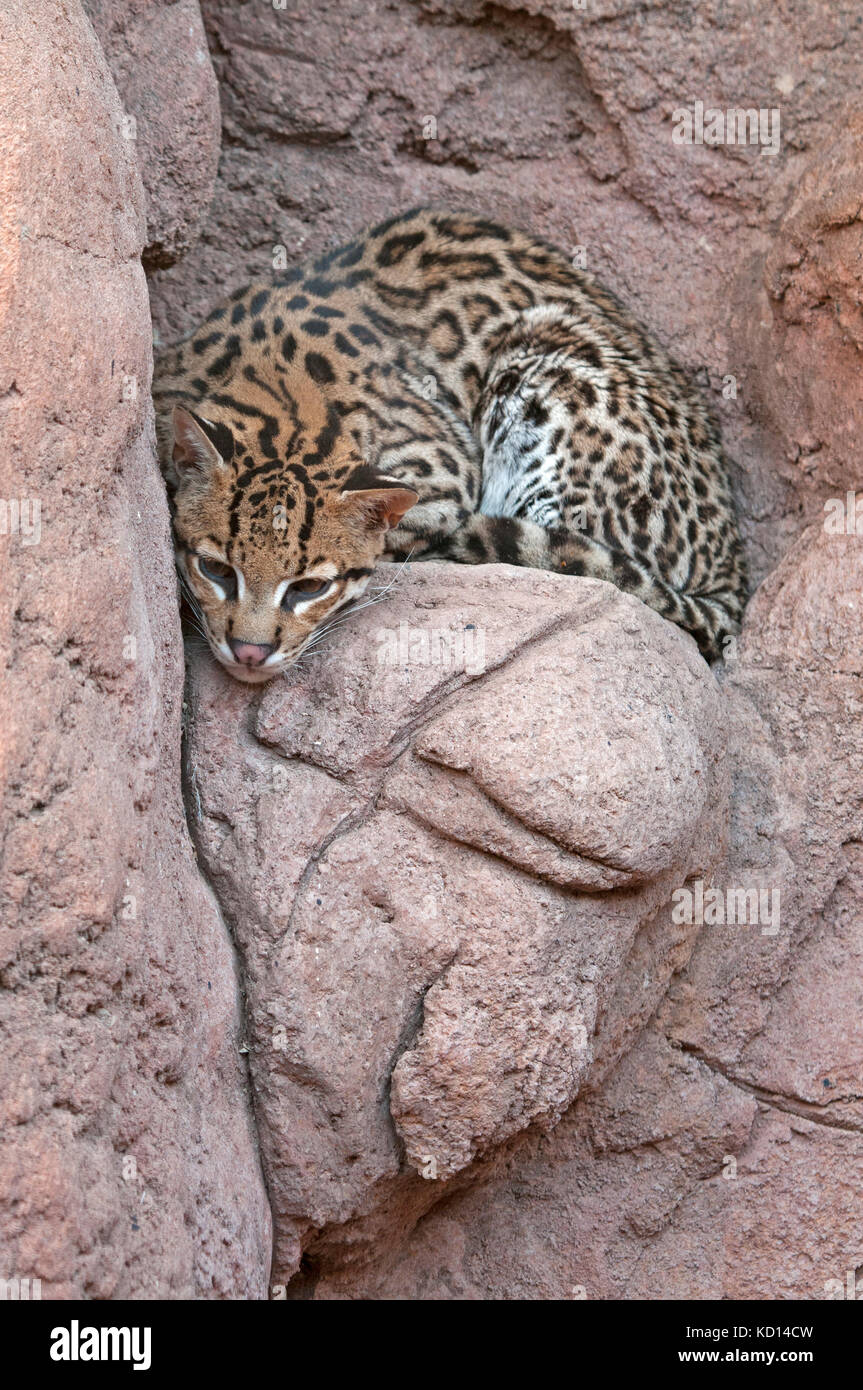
{"x":441,"y":386}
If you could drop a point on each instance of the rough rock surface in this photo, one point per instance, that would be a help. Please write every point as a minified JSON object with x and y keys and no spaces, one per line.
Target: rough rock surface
{"x":128,"y":1158}
{"x":723,"y":1158}
{"x":159,"y":59}
{"x":808,"y":309}
{"x":451,"y":886}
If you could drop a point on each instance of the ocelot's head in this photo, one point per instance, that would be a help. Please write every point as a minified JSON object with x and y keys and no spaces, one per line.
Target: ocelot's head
{"x":270,"y":546}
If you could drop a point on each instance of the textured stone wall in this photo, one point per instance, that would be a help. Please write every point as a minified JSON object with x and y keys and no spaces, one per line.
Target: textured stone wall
{"x":128,"y":1155}
{"x":452,"y":897}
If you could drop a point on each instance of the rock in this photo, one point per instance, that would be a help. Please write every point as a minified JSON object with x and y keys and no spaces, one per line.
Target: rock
{"x":722,"y":1157}
{"x":158,"y":55}
{"x":450,"y":884}
{"x":809,"y":309}
{"x":576,"y":1215}
{"x":128,"y":1161}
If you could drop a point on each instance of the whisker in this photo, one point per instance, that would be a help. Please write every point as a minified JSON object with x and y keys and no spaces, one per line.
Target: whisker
{"x":345,"y":616}
{"x":398,"y":574}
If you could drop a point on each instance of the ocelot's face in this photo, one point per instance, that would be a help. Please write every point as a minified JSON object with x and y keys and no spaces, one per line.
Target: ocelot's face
{"x":267,"y":556}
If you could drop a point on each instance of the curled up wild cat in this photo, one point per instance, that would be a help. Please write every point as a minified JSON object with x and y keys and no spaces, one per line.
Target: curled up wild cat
{"x":442,"y":387}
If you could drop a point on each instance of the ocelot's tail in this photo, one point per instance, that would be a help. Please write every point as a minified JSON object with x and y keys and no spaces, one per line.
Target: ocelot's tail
{"x":710,"y":618}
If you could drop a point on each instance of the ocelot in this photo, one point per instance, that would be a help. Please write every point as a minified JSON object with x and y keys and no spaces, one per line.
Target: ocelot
{"x":442,"y":387}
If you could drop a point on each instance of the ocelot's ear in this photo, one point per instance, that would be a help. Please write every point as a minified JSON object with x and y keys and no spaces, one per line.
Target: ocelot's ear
{"x":199,"y":445}
{"x":382,"y":505}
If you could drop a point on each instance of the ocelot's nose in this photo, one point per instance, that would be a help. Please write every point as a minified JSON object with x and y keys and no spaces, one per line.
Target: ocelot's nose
{"x":250,"y":653}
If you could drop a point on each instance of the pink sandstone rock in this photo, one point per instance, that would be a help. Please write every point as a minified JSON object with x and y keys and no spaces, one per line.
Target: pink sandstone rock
{"x":159,"y":59}
{"x":805,"y":331}
{"x":455,"y":918}
{"x":128,"y":1160}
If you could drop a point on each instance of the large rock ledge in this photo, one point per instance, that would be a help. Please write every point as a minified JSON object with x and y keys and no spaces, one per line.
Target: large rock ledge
{"x":450,"y":887}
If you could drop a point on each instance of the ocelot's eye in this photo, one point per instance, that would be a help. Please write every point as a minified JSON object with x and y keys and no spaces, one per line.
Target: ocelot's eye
{"x":219,"y":573}
{"x":301,"y":589}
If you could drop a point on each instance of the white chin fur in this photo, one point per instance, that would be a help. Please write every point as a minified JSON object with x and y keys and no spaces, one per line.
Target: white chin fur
{"x":250,"y":675}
